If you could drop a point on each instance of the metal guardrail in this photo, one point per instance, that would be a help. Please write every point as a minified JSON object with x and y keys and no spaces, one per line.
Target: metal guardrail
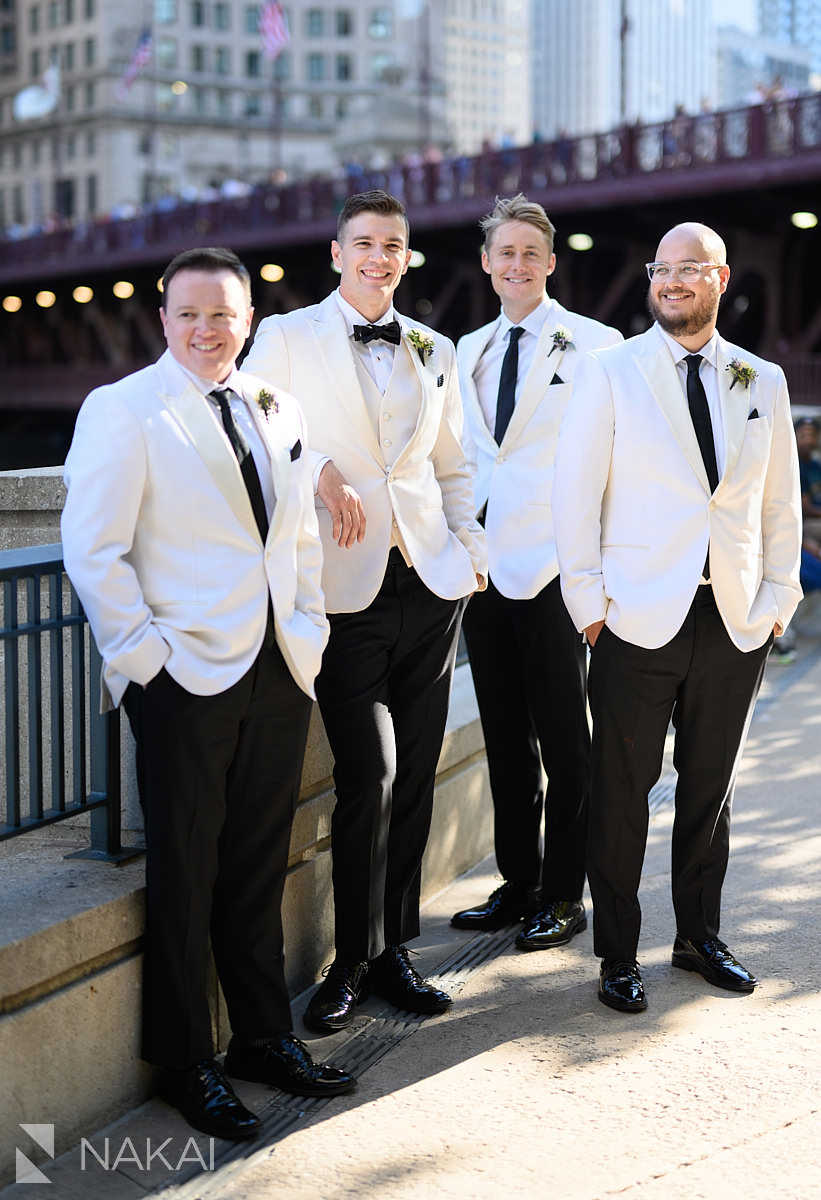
{"x":61,"y":755}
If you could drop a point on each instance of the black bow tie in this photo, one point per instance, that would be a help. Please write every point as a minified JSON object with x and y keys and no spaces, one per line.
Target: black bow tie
{"x":390,"y":331}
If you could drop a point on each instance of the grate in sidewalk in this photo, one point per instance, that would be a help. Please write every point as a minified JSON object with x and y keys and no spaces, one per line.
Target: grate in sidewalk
{"x":361,"y":1050}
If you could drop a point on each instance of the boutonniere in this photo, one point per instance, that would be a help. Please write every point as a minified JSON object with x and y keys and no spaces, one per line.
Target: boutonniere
{"x":741,"y":372}
{"x":267,"y":401}
{"x":422,"y":342}
{"x":562,"y":340}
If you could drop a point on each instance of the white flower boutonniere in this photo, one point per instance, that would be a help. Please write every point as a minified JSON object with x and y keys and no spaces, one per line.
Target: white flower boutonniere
{"x":267,"y":401}
{"x":562,"y":340}
{"x":422,"y":342}
{"x":741,"y":372}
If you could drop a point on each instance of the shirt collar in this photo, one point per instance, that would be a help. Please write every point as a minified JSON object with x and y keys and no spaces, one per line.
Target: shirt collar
{"x":679,"y":352}
{"x":208,"y":385}
{"x":533,"y":322}
{"x":353,"y":317}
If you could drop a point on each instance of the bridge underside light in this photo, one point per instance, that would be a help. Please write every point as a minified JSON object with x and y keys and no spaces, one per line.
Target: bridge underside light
{"x":580,"y":241}
{"x":271,"y":272}
{"x":417,"y":259}
{"x":804,"y":220}
{"x":45,"y":299}
{"x":12,"y":304}
{"x":123,"y":290}
{"x":83,"y":294}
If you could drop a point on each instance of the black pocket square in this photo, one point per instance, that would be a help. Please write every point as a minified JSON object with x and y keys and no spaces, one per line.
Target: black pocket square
{"x":440,"y":382}
{"x":296,"y":450}
{"x":753,"y":415}
{"x":556,"y":379}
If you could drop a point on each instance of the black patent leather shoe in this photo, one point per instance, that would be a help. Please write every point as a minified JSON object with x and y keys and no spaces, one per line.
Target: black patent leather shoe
{"x":285,"y":1062}
{"x":393,"y":977}
{"x":714,"y":961}
{"x":333,"y":1005}
{"x":510,"y":902}
{"x":555,"y":924}
{"x":620,"y":985}
{"x":208,"y":1102}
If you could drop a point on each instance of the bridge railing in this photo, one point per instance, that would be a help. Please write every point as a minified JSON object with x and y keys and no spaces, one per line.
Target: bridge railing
{"x":761,"y":132}
{"x":60,"y":755}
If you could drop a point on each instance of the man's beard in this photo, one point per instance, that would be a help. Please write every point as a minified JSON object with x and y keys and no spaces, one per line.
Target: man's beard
{"x":684,"y":325}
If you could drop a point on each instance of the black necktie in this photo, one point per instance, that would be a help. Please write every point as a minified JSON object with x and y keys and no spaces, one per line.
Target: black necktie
{"x":506,"y":399}
{"x":390,"y":332}
{"x":244,"y":457}
{"x":700,"y":414}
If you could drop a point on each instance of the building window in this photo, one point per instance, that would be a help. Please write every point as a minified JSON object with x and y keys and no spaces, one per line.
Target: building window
{"x":35,"y":69}
{"x":17,"y":205}
{"x":222,"y":16}
{"x":315,"y":22}
{"x":222,"y":63}
{"x":68,"y":56}
{"x":381,"y":23}
{"x":344,"y":22}
{"x":200,"y":100}
{"x":198,"y":58}
{"x":91,"y":144}
{"x":224,"y":103}
{"x":53,"y":14}
{"x":166,"y":53}
{"x":90,"y":53}
{"x":68,"y":99}
{"x":282,"y":67}
{"x":91,"y":195}
{"x":344,"y":66}
{"x":197,"y":13}
{"x":381,"y":64}
{"x":68,"y":15}
{"x":252,"y":18}
{"x":90,"y":95}
{"x":90,"y":10}
{"x":253,"y":64}
{"x":164,"y":96}
{"x":35,"y":153}
{"x":17,"y":155}
{"x":71,"y":146}
{"x":34,"y":18}
{"x":316,"y":67}
{"x":342,"y":107}
{"x":165,"y":11}
{"x":7,"y":39}
{"x":315,"y":107}
{"x":253,"y":105}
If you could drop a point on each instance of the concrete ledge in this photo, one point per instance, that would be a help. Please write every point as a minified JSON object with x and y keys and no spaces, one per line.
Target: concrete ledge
{"x":71,"y":930}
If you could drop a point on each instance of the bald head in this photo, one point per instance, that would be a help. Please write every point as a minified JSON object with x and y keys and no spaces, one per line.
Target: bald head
{"x":693,"y":241}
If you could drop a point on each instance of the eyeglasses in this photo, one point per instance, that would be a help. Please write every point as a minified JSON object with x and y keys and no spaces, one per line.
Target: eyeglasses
{"x":687,"y":272}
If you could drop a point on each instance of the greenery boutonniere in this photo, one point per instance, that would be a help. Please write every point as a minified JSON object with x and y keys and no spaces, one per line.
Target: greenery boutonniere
{"x":562,"y":340}
{"x":267,"y":401}
{"x":423,"y":343}
{"x":741,"y":372}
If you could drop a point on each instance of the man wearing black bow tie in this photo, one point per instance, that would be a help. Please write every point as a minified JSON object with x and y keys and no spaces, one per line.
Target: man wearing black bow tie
{"x":381,"y":398}
{"x":528,"y":661}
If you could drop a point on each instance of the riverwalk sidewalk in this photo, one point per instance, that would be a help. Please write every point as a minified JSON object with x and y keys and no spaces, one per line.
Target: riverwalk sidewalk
{"x":529,"y":1087}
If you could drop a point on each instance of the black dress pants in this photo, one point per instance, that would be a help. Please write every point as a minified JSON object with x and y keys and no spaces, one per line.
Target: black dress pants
{"x":708,"y":687}
{"x":529,"y":668}
{"x":219,"y":780}
{"x":383,"y":692}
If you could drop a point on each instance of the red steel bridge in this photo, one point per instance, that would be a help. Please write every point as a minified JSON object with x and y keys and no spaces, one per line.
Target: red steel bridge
{"x":744,"y":171}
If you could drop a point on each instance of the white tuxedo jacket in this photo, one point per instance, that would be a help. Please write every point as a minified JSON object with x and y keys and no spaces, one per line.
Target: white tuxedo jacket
{"x":515,"y":478}
{"x":161,"y":544}
{"x":425,"y":487}
{"x":632,"y":506}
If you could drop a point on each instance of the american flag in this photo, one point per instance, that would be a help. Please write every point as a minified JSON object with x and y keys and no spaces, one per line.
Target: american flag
{"x":273,"y":25}
{"x":141,"y":56}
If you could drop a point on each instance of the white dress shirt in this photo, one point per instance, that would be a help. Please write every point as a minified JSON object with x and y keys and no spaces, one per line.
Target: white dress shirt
{"x":377,"y":356}
{"x":489,"y":367}
{"x":708,"y":373}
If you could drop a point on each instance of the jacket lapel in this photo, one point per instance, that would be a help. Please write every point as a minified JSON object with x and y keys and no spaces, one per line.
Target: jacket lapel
{"x":473,"y":351}
{"x":429,"y":411}
{"x":207,"y":437}
{"x":333,"y":342}
{"x":657,"y":366}
{"x":735,"y":406}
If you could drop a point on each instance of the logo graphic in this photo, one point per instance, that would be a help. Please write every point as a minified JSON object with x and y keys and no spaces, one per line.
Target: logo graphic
{"x":43,"y":1136}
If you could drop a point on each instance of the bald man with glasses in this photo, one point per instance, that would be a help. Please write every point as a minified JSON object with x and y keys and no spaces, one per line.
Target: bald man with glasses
{"x":677,"y":514}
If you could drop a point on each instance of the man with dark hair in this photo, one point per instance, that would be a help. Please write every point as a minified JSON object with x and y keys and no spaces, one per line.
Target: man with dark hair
{"x":190,"y":535}
{"x":381,"y":398}
{"x":677,"y":513}
{"x":528,"y":661}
